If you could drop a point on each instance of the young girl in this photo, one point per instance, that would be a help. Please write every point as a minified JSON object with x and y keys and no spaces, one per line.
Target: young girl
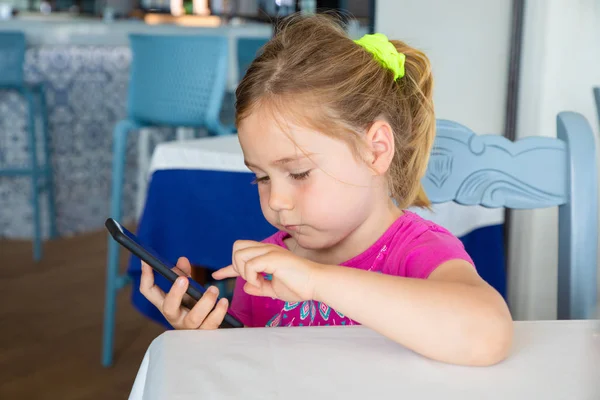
{"x":338,"y":134}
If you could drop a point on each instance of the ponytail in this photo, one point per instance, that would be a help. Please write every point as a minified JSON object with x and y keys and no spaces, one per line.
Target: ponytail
{"x":414,"y":139}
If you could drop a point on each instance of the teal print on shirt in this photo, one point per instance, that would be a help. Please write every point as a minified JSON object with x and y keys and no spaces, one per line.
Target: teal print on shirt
{"x":308,"y":312}
{"x":308,"y":309}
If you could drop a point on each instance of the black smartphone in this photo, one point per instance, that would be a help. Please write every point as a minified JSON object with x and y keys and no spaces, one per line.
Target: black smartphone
{"x":128,"y":240}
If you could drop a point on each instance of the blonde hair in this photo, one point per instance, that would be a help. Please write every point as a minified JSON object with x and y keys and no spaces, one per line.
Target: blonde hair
{"x":341,"y":90}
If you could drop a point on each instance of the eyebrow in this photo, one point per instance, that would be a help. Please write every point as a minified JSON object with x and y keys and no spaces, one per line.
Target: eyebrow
{"x":282,"y":161}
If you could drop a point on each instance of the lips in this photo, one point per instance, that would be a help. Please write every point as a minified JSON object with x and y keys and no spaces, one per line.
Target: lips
{"x":293,"y":228}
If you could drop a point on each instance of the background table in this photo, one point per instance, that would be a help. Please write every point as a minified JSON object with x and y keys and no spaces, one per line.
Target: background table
{"x":200,"y":200}
{"x":549,"y":360}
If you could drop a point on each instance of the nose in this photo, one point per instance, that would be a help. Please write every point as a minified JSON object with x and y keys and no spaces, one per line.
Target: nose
{"x":281,"y":197}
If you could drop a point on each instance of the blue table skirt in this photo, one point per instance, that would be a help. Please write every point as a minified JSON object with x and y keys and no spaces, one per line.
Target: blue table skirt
{"x":181,"y":219}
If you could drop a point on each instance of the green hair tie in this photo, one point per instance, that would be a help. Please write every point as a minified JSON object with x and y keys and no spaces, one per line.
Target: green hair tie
{"x":385,"y":52}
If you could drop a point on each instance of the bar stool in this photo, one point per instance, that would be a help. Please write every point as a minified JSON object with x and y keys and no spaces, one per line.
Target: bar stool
{"x":12,"y":60}
{"x":175,"y":81}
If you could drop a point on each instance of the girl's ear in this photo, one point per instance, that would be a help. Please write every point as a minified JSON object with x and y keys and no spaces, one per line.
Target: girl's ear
{"x":380,"y":142}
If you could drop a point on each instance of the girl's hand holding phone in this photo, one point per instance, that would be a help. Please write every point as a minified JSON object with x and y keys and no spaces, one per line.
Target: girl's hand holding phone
{"x":178,"y":307}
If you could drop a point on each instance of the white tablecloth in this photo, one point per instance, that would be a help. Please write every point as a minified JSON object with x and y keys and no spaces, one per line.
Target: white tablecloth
{"x":549,"y":360}
{"x":225,"y":154}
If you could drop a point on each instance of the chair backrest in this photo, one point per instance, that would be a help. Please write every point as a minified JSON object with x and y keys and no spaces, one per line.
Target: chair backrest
{"x":177,"y":80}
{"x":12,"y":58}
{"x":247,"y":50}
{"x":534,"y":172}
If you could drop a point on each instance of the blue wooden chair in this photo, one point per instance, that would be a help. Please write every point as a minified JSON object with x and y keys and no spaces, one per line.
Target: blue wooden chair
{"x":12,"y":60}
{"x":534,"y":172}
{"x":176,"y":81}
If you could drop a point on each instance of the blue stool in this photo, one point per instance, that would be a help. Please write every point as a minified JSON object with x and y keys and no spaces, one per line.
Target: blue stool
{"x":12,"y":59}
{"x":176,"y":81}
{"x":247,"y":50}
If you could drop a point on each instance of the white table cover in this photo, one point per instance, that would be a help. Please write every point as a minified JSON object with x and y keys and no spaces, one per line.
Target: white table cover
{"x":549,"y":360}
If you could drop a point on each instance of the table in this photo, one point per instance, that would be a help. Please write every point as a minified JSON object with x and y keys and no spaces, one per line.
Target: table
{"x":200,"y":200}
{"x":549,"y":360}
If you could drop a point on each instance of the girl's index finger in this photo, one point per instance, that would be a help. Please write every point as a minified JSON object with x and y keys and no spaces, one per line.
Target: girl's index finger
{"x":227,"y":272}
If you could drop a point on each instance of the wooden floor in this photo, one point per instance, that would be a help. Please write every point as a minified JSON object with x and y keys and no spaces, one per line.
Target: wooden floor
{"x":51,"y":323}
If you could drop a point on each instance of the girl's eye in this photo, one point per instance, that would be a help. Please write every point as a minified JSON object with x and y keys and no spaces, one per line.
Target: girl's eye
{"x":301,"y":175}
{"x":262,"y":179}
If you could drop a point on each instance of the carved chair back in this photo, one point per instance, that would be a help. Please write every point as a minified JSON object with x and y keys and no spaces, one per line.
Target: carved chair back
{"x":534,"y":172}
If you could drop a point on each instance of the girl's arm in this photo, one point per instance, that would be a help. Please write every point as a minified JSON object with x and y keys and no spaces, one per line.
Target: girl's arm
{"x":454,"y":316}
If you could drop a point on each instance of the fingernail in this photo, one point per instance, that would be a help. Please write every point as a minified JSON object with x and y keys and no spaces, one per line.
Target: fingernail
{"x":213,"y":290}
{"x":181,"y":281}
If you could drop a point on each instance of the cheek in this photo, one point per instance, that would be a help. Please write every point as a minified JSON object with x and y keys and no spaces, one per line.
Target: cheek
{"x":321,"y":190}
{"x":263,"y":192}
{"x":329,"y":200}
{"x":349,"y":181}
{"x":263,"y":195}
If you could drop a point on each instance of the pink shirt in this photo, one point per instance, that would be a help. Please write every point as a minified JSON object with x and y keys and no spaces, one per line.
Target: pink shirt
{"x":411,"y":247}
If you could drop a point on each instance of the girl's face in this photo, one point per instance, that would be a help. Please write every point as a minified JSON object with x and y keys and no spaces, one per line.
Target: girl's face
{"x":310,"y":185}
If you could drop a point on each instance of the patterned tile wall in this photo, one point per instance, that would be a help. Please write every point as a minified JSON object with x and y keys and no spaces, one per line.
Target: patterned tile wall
{"x":86,"y":94}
